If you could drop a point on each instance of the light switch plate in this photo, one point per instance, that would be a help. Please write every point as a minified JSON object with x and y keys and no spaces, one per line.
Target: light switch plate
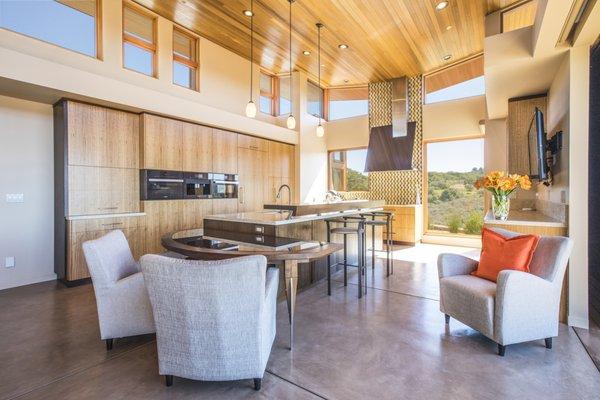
{"x":14,"y":198}
{"x":9,"y":262}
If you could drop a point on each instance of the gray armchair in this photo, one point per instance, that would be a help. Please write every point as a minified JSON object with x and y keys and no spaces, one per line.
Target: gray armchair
{"x":215,"y":320}
{"x":121,"y":296}
{"x":520,"y":307}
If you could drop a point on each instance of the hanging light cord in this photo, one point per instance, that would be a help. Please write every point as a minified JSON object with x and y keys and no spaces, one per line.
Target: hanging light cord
{"x":319,"y":26}
{"x":290,"y":56}
{"x":251,"y":46}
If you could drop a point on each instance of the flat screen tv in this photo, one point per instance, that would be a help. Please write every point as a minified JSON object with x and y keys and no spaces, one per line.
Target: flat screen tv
{"x":538,"y":145}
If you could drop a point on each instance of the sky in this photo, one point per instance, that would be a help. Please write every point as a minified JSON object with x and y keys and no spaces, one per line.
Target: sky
{"x":473,"y":87}
{"x":357,"y":160}
{"x":456,"y":155}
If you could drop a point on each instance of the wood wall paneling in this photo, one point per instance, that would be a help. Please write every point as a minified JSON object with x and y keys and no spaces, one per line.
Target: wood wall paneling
{"x":225,"y":206}
{"x":194,"y":211}
{"x":224,"y":149}
{"x":161,"y":143}
{"x":197,"y":148}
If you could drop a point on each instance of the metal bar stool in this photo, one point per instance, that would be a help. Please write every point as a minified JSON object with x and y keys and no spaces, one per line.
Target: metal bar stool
{"x":373,"y":222}
{"x":359,"y":231}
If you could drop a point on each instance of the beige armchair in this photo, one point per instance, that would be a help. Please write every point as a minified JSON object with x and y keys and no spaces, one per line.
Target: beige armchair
{"x":520,"y":307}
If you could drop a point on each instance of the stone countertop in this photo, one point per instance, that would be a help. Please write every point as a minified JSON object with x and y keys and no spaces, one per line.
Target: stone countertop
{"x":518,"y":217}
{"x":269,"y":217}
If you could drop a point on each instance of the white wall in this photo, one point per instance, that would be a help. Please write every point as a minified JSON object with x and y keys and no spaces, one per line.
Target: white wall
{"x":26,"y":166}
{"x":495,"y":145}
{"x":348,"y":133}
{"x":453,"y":119}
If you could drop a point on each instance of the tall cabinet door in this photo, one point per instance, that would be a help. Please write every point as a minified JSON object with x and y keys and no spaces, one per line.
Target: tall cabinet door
{"x":162,"y":143}
{"x":197,"y":148}
{"x":224,"y":150}
{"x":252,"y":167}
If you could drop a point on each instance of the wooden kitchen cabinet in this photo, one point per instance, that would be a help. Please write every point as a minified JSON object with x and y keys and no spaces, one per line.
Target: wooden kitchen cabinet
{"x":82,"y":230}
{"x":224,"y":150}
{"x":253,"y":171}
{"x":407,"y":226}
{"x":162,"y":217}
{"x":225,"y":206}
{"x":280,"y":170}
{"x":194,"y":211}
{"x":253,"y":143}
{"x":95,"y":190}
{"x":161,"y":143}
{"x":197,"y":148}
{"x":101,"y":137}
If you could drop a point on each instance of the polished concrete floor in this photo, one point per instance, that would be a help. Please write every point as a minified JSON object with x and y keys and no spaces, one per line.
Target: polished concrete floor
{"x":392,"y":344}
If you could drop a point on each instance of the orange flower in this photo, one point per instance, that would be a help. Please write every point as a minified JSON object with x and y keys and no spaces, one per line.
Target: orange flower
{"x":500,"y":182}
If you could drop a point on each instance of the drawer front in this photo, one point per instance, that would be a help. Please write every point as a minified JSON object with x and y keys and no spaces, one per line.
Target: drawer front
{"x":94,"y":190}
{"x":108,"y":223}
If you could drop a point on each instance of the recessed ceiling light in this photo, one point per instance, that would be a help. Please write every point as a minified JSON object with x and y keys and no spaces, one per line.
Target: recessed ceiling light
{"x":449,"y":27}
{"x":306,"y":53}
{"x":441,"y":5}
{"x":343,"y":46}
{"x":447,"y":57}
{"x":322,"y":65}
{"x":346,"y":81}
{"x":248,"y":13}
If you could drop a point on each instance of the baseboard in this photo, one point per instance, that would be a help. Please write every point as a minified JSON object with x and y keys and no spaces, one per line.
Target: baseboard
{"x":39,"y":279}
{"x":578,"y":322}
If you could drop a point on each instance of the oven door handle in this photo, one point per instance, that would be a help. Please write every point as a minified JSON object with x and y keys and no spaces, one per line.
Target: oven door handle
{"x":227,"y":182}
{"x":165,"y":180}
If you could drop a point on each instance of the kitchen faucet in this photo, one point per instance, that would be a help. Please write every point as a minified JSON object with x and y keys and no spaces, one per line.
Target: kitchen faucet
{"x":289,"y":192}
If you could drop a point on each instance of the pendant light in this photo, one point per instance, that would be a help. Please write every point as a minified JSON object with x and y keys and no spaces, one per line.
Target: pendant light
{"x":291,"y":121}
{"x":251,"y":107}
{"x":320,"y":129}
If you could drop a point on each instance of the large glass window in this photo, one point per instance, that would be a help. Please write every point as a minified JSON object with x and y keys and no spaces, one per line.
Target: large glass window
{"x":348,"y":102}
{"x":285,"y":105}
{"x":66,"y":23}
{"x":314,"y":98}
{"x":456,"y":82}
{"x":139,"y":41}
{"x":267,"y":94}
{"x":185,"y":60}
{"x":346,"y":170}
{"x":454,"y":205}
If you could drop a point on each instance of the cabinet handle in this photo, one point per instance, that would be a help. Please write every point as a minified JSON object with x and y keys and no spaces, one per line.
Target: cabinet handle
{"x":108,"y":208}
{"x":113,"y":224}
{"x":241,"y":194}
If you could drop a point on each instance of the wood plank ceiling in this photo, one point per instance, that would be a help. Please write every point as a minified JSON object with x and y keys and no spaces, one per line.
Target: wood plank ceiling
{"x":386,"y":38}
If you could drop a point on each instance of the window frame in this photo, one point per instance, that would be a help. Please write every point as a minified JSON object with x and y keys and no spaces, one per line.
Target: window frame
{"x":308,"y":83}
{"x":425,"y":92}
{"x":273,"y":96}
{"x":342,"y":165}
{"x":327,"y":99}
{"x":127,"y":38}
{"x":192,"y":64}
{"x":97,"y":30}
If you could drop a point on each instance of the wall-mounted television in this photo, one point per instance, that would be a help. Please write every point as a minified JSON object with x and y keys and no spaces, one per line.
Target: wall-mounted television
{"x":544,"y":150}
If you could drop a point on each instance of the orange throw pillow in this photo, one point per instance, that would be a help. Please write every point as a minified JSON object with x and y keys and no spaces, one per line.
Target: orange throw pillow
{"x":499,"y":253}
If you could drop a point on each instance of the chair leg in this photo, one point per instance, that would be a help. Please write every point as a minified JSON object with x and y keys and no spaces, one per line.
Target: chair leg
{"x":109,"y":344}
{"x":169,"y":380}
{"x":257,"y":383}
{"x":447,"y":318}
{"x":548,"y":343}
{"x":501,"y":350}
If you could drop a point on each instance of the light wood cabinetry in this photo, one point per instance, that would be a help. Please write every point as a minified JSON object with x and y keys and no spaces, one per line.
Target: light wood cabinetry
{"x":407,"y":226}
{"x":252,"y":176}
{"x":224,"y":150}
{"x":82,"y":230}
{"x":162,"y":217}
{"x":253,"y":143}
{"x":197,"y":148}
{"x":98,"y":190}
{"x":194,"y":211}
{"x":280,"y":171}
{"x":161,"y":143}
{"x":520,"y":115}
{"x":225,"y":206}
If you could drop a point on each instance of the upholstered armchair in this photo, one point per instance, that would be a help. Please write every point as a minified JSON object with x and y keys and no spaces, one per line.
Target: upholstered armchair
{"x":121,"y":296}
{"x":520,"y":307}
{"x":215,"y":320}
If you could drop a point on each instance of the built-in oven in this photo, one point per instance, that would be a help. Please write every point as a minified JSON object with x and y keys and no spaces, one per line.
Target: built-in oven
{"x":161,"y":185}
{"x":225,"y":186}
{"x":197,"y":185}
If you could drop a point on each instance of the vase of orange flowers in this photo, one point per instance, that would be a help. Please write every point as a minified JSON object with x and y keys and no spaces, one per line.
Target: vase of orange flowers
{"x":502,"y":185}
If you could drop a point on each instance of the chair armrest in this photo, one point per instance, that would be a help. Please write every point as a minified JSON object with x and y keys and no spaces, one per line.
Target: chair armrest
{"x":454,"y":264}
{"x":130,"y":292}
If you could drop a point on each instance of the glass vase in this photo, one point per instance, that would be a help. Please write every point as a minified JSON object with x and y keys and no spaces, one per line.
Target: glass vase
{"x":500,"y":206}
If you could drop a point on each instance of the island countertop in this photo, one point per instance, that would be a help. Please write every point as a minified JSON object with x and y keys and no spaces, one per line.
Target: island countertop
{"x":531,"y":218}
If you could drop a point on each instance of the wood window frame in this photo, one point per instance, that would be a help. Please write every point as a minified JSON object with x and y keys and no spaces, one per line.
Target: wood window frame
{"x":274,"y":95}
{"x":193,"y":64}
{"x":331,"y":162}
{"x":425,"y":178}
{"x":127,"y":38}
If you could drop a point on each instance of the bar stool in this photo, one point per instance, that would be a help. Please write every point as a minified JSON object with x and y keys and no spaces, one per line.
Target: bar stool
{"x":359,"y":231}
{"x":373,"y":222}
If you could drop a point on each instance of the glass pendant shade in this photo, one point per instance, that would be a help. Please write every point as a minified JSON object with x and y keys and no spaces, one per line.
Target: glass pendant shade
{"x":291,"y":122}
{"x":251,"y":109}
{"x":320,"y":130}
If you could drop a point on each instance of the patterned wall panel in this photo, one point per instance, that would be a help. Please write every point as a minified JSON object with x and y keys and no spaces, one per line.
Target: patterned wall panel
{"x":398,"y":187}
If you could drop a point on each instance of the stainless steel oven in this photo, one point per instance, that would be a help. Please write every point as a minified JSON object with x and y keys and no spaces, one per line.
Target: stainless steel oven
{"x":225,"y":186}
{"x":161,"y":185}
{"x":197,"y":185}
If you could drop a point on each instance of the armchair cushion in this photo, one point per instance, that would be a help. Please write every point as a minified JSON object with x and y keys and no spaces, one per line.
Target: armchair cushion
{"x":470,"y":300}
{"x":500,"y":253}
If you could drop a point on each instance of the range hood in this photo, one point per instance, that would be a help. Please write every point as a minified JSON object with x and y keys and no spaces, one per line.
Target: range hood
{"x":391,"y":146}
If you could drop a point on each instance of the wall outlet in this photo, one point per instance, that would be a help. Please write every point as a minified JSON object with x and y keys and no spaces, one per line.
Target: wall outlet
{"x":9,"y":262}
{"x":14,"y":198}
